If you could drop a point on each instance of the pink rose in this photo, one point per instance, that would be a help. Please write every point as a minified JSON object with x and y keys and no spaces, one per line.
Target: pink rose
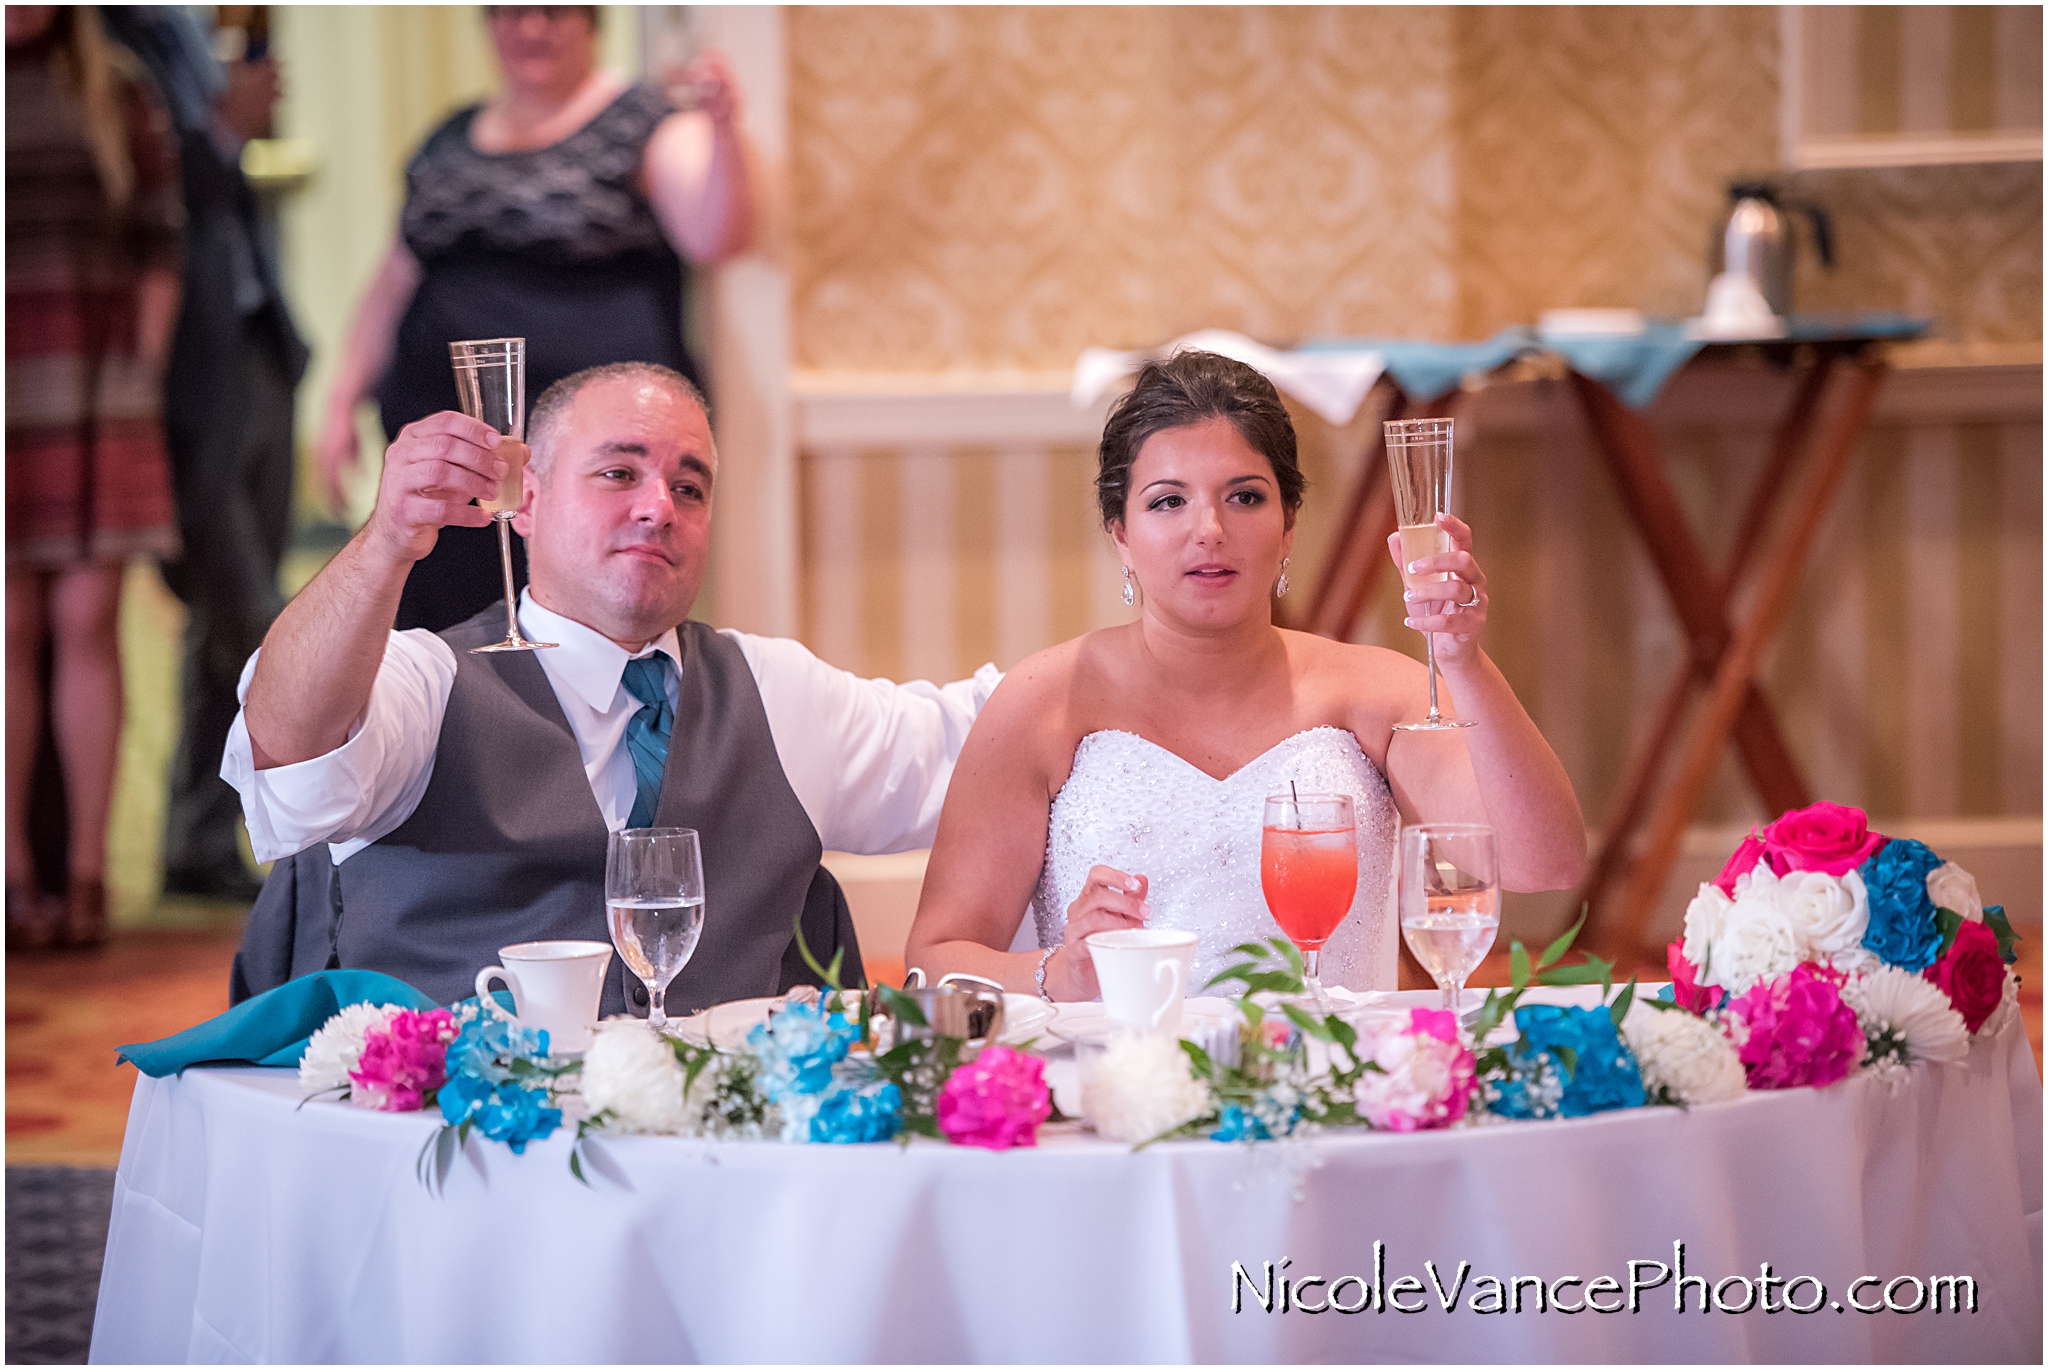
{"x":1424,"y":1078}
{"x":1830,"y":838}
{"x":1686,"y":990}
{"x":403,"y":1060}
{"x":1746,"y":856}
{"x":1972,"y":974}
{"x":1795,"y":1030}
{"x":996,"y":1101}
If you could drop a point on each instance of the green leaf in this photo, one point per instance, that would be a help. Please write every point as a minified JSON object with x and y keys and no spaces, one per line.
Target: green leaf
{"x":1313,"y":1026}
{"x":830,"y":977}
{"x":1565,"y":939}
{"x":1566,"y":1057}
{"x":901,"y":1006}
{"x":1950,"y":922}
{"x":1518,"y":965}
{"x":1198,"y":1059}
{"x":2001,"y":928}
{"x":576,"y":1162}
{"x":1618,"y":1010}
{"x":1587,"y":973}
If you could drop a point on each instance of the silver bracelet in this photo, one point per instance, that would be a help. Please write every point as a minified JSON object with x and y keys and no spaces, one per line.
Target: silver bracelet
{"x":1047,"y":956}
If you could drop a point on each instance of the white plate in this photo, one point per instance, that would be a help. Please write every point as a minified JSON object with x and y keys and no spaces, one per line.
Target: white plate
{"x":725,"y":1026}
{"x":1024,"y":1017}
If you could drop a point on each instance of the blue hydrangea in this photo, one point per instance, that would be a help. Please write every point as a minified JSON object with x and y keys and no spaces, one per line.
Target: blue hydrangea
{"x":486,"y":1042}
{"x":1903,"y":931}
{"x":858,"y":1113}
{"x":1604,"y":1073}
{"x":1239,"y":1124}
{"x":797,"y":1049}
{"x":505,"y":1113}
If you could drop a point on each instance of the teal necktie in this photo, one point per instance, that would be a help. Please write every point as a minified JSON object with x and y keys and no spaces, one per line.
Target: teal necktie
{"x":646,"y":679}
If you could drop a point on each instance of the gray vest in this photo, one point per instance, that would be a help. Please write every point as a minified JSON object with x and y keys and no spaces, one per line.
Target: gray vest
{"x":508,"y":845}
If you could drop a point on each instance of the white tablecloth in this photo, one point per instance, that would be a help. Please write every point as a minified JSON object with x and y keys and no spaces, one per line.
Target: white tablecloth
{"x":248,"y":1229}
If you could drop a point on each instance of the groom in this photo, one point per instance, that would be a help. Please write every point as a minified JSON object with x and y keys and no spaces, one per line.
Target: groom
{"x":464,"y":800}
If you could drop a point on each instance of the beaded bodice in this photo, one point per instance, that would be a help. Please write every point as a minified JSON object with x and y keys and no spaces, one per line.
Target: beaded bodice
{"x":1133,"y":805}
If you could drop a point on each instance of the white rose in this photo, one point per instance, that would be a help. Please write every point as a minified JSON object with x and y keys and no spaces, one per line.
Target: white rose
{"x":1758,"y":942}
{"x":631,"y":1072}
{"x":1953,"y":888}
{"x":1705,"y":919}
{"x":1828,"y":915}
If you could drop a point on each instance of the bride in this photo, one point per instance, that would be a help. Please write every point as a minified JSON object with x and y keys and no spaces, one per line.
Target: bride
{"x":1118,"y":780}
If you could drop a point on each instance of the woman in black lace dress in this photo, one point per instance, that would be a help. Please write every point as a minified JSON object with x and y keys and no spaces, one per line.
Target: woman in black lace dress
{"x":559,"y":212}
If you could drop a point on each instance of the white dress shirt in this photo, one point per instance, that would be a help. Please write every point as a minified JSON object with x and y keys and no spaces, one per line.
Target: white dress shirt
{"x":868,"y":759}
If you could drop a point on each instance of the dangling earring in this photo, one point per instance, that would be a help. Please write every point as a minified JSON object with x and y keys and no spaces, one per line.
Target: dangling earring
{"x":1280,"y":590}
{"x":1130,"y":591}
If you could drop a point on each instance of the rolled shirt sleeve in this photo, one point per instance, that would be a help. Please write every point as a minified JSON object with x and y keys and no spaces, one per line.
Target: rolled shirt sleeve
{"x":370,"y":784}
{"x":869,"y":759}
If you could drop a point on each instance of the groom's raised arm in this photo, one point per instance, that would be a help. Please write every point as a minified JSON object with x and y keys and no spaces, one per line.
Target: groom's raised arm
{"x":320,"y":659}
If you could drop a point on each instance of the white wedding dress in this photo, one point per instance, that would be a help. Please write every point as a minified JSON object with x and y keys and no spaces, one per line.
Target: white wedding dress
{"x":1133,"y":805}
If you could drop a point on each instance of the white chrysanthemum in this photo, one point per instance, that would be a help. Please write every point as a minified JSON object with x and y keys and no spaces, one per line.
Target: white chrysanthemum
{"x":1142,"y":1086}
{"x":631,"y":1073}
{"x":1758,"y":941}
{"x":1952,"y":887}
{"x":1906,"y":1017}
{"x":1857,"y":960}
{"x":1705,"y":919}
{"x":1829,"y":914}
{"x":334,"y":1050}
{"x":1684,"y":1059}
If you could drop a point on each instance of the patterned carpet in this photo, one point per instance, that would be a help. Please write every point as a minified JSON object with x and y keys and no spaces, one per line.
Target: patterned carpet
{"x":56,"y":1232}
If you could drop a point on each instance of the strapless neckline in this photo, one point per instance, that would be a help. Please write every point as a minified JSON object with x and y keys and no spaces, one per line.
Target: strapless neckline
{"x":1214,"y":780}
{"x":1134,"y":805}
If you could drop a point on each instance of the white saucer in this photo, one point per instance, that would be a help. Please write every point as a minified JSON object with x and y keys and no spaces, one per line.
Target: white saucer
{"x":1092,"y":1023}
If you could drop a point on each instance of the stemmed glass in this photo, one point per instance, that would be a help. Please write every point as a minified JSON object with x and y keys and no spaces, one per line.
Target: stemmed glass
{"x":1308,"y":868}
{"x":654,"y":901}
{"x":1450,"y":900}
{"x":490,"y":382}
{"x":1419,"y":460}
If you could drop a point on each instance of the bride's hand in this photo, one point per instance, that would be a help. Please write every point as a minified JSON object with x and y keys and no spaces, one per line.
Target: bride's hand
{"x":1111,"y":900}
{"x":1457,"y":623}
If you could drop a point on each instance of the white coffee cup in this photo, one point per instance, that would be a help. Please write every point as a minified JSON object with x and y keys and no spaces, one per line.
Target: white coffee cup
{"x":1143,"y":973}
{"x":555,"y":986}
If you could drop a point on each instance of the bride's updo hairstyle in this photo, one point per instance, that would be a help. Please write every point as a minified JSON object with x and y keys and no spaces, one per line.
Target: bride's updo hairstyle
{"x":1188,"y":388}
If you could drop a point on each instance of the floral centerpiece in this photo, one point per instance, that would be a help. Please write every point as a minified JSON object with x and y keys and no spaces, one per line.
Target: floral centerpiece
{"x":1824,"y":948}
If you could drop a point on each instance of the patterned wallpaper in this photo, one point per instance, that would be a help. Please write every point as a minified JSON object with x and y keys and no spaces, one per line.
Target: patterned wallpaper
{"x":999,"y":187}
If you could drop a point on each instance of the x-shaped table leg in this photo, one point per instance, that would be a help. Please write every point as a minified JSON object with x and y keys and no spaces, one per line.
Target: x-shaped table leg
{"x":1726,"y":659}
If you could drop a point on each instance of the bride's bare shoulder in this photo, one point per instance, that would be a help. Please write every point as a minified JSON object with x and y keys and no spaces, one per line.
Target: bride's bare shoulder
{"x":1049,"y":699}
{"x":1346,"y":661}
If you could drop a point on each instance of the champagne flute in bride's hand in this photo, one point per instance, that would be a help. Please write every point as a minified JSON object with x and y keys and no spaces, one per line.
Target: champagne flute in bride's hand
{"x":490,"y":381}
{"x":1308,"y":870}
{"x":1419,"y":461}
{"x":1450,"y":901}
{"x":654,"y":901}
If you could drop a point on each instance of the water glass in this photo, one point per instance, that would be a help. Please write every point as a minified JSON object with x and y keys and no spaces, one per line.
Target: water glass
{"x":654,"y":901}
{"x":1450,"y":900}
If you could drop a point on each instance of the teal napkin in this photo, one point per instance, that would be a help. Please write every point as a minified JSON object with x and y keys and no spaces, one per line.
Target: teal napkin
{"x":272,"y":1028}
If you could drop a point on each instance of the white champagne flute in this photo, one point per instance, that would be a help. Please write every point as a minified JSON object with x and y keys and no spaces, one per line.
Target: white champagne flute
{"x":1450,"y":901}
{"x":1419,"y":461}
{"x":490,"y":382}
{"x":654,"y":901}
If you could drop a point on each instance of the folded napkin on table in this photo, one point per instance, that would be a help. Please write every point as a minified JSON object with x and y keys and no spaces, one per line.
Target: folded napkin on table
{"x":272,"y":1028}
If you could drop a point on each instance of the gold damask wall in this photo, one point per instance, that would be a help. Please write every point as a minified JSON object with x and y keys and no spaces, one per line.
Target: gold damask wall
{"x":998,"y":188}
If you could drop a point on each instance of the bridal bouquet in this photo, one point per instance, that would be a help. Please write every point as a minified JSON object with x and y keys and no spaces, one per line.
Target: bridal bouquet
{"x":1823,"y":948}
